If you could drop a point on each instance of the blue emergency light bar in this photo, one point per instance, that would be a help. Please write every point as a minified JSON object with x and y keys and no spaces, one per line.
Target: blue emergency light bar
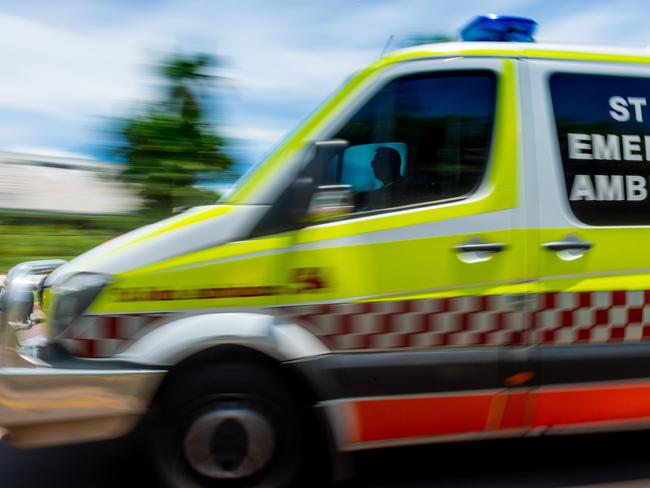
{"x":498,"y":28}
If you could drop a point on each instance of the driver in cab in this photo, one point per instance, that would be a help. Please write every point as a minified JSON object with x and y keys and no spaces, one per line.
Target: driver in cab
{"x":386,"y":165}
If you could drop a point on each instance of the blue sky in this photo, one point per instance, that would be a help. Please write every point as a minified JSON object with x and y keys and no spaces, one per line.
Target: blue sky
{"x":69,"y":67}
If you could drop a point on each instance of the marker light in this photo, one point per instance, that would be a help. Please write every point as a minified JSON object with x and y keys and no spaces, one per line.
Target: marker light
{"x":499,"y":28}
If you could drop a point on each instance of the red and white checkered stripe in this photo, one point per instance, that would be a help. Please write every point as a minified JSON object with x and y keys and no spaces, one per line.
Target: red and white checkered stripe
{"x":106,"y":335}
{"x":499,"y":320}
{"x":592,"y":317}
{"x":492,"y":320}
{"x":459,"y":321}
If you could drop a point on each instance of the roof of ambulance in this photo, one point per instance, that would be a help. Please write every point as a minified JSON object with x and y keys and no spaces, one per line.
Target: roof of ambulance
{"x":566,"y":51}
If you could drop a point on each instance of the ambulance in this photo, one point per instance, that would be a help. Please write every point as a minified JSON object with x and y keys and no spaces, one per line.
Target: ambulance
{"x":455,"y":246}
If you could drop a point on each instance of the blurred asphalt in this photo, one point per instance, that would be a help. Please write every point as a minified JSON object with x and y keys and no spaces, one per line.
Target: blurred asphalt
{"x":621,"y":460}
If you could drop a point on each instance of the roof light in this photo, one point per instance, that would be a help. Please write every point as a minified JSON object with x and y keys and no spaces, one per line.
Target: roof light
{"x":499,"y":28}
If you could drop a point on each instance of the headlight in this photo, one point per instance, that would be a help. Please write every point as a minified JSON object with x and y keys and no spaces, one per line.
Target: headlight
{"x":72,"y":297}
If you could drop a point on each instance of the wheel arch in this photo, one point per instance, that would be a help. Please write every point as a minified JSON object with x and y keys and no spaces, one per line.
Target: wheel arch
{"x":236,"y":353}
{"x":175,"y":341}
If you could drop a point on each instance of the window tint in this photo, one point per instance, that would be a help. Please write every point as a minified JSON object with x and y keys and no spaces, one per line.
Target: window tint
{"x":421,"y":138}
{"x":603,"y":128}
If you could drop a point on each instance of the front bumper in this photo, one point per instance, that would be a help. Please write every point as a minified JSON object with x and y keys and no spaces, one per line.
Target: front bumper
{"x":42,"y":404}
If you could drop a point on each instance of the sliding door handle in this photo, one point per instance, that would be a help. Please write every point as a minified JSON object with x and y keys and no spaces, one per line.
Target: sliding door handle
{"x":569,"y":248}
{"x":567,"y":245}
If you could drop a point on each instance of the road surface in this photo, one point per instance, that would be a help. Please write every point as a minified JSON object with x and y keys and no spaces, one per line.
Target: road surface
{"x":604,"y":461}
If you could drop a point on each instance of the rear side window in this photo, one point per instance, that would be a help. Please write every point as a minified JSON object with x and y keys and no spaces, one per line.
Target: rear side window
{"x":603,"y":128}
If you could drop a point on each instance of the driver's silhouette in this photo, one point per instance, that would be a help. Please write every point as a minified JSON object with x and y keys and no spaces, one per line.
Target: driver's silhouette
{"x":386,"y":165}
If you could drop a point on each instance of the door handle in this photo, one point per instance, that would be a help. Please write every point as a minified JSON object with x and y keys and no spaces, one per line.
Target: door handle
{"x":477,"y":250}
{"x":488,"y":247}
{"x":569,"y":248}
{"x":567,"y":245}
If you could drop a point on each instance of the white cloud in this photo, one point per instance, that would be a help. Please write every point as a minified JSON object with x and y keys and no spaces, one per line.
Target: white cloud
{"x":250,"y":133}
{"x":48,"y":70}
{"x":614,"y":22}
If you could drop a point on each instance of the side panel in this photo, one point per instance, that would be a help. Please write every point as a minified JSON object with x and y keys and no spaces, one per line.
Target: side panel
{"x":592,"y":321}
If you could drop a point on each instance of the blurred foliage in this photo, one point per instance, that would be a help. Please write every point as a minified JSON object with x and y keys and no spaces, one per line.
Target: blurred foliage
{"x":27,"y":236}
{"x":169,"y":144}
{"x":192,"y":197}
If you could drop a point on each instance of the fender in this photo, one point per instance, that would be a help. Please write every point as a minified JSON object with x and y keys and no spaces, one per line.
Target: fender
{"x":177,"y":340}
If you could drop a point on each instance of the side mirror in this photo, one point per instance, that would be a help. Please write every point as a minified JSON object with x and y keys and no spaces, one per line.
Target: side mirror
{"x":331,"y":201}
{"x":306,"y":187}
{"x":305,"y":199}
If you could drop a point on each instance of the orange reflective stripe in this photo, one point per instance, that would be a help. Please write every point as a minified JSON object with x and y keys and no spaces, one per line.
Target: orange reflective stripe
{"x":583,"y":405}
{"x":515,"y":413}
{"x":496,"y":411}
{"x":377,"y":420}
{"x":399,"y":418}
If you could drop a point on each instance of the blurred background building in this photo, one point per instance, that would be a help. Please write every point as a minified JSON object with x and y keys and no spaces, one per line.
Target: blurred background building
{"x":52,"y":184}
{"x":57,"y":206}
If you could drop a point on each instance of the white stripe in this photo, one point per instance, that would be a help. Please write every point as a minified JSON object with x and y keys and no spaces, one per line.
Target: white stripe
{"x":501,"y":220}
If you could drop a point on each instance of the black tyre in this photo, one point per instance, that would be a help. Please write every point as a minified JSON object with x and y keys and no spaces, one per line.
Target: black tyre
{"x":231,"y":425}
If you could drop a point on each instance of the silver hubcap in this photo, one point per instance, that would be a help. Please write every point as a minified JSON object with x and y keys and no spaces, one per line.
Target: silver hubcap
{"x":229,"y":442}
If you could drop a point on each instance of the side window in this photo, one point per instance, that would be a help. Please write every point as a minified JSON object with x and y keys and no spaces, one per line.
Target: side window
{"x":603,"y":128}
{"x":422,"y":138}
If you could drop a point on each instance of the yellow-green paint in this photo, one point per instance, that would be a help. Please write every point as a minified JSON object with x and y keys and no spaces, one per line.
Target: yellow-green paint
{"x":235,"y":249}
{"x":521,"y":51}
{"x":255,"y":271}
{"x":619,"y":260}
{"x":198,"y":214}
{"x":414,"y":268}
{"x":411,"y":268}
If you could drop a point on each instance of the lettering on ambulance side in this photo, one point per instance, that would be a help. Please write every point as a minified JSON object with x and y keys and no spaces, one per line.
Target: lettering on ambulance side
{"x":301,"y":280}
{"x":306,"y":280}
{"x":604,"y":135}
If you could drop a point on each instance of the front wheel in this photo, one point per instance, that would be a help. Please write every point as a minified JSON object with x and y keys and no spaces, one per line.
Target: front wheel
{"x":232,"y":425}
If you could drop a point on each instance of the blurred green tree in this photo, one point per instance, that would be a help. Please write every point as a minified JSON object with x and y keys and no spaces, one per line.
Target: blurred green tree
{"x":169,"y":144}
